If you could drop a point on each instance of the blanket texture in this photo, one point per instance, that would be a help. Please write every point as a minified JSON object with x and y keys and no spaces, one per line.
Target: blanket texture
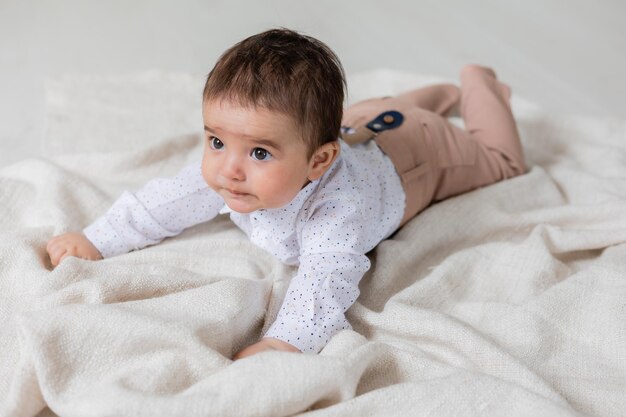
{"x":508,"y":300}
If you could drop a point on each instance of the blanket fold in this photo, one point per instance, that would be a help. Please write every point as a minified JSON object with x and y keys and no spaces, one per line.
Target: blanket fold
{"x":508,"y":300}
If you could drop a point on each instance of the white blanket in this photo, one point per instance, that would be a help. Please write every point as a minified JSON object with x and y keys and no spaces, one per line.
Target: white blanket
{"x":509,"y":300}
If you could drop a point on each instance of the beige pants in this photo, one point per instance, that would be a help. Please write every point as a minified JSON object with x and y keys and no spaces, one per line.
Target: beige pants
{"x":436,"y":159}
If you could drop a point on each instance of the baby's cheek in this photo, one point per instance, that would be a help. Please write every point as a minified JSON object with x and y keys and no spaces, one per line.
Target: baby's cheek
{"x":275,"y":191}
{"x":206,"y":171}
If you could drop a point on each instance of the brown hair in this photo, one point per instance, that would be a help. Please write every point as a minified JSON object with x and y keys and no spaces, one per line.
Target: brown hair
{"x":285,"y":71}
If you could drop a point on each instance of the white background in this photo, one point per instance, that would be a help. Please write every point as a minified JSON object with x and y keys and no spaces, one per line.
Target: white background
{"x":568,"y":56}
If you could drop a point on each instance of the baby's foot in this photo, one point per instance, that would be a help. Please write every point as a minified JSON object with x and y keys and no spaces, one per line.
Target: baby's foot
{"x":470,"y":68}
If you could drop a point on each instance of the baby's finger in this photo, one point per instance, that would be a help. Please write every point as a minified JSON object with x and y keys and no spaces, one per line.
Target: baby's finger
{"x":51,"y":248}
{"x":65,"y":255}
{"x":51,"y":243}
{"x":55,"y":255}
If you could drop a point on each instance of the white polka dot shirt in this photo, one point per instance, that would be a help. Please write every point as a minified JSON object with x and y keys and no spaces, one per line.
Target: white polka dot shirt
{"x":326,"y":230}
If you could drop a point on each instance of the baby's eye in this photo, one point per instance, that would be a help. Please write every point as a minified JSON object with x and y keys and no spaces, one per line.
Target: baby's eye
{"x":216,"y":143}
{"x":261,"y":154}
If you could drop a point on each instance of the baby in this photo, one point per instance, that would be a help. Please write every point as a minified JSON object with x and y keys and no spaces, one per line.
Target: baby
{"x":314,"y":189}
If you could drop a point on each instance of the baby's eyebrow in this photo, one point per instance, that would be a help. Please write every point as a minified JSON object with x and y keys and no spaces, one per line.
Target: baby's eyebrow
{"x":266,"y":142}
{"x":257,"y":141}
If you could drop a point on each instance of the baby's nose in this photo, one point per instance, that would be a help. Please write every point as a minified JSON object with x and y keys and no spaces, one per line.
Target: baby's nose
{"x":233,"y":169}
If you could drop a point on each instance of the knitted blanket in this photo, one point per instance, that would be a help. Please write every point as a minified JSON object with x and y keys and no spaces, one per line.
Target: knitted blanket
{"x":508,"y":300}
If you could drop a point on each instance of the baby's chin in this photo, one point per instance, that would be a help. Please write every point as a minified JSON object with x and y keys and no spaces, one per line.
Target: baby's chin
{"x":248,"y":203}
{"x":245,"y":207}
{"x":241,"y":207}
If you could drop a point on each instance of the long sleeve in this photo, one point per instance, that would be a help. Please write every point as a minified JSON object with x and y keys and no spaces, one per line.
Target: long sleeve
{"x":163,"y":207}
{"x":332,"y":262}
{"x":317,"y":299}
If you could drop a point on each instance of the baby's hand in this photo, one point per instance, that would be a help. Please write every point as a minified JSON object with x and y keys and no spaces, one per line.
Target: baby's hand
{"x":71,"y":244}
{"x":267,"y":343}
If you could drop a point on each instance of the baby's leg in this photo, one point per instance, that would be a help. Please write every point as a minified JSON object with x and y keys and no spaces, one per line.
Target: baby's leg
{"x":488,"y":149}
{"x":437,"y":159}
{"x":486,"y":111}
{"x":438,"y":98}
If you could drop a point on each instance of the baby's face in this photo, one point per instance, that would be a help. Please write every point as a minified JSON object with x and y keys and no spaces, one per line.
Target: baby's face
{"x":253,"y":158}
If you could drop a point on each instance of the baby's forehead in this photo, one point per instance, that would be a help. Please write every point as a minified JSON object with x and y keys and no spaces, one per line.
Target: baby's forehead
{"x":221,"y":108}
{"x":245,"y":120}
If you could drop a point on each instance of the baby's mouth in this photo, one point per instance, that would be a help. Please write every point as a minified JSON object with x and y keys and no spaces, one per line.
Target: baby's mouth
{"x":235,"y":192}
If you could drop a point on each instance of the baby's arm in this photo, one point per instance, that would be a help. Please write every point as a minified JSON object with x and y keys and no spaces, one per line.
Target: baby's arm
{"x":313,"y":310}
{"x":334,"y":237}
{"x":325,"y":286}
{"x":163,"y":207}
{"x":333,"y":244}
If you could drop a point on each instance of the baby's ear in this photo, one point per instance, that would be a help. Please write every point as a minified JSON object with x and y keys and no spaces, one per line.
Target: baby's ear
{"x":322,"y":159}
